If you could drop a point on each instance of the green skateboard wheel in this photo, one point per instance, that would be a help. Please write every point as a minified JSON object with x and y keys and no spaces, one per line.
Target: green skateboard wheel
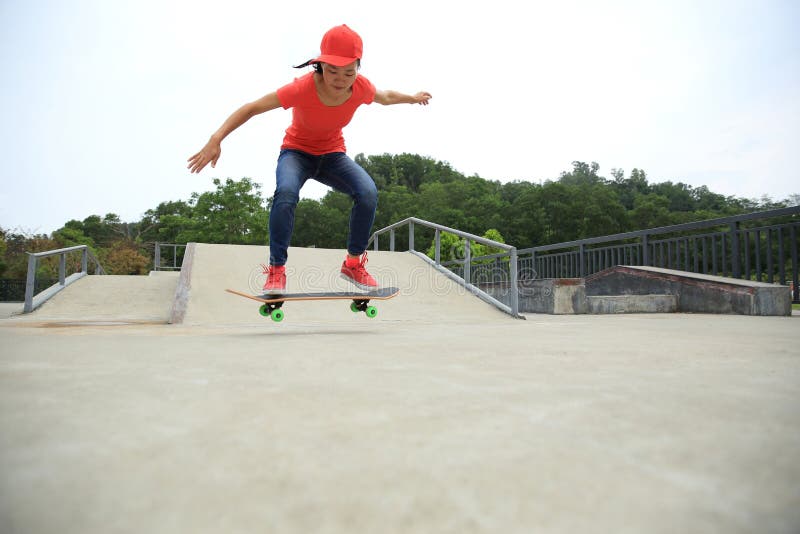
{"x":277,"y":315}
{"x":264,"y":310}
{"x":354,"y":307}
{"x":371,"y":311}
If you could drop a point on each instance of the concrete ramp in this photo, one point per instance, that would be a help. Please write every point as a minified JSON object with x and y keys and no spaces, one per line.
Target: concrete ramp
{"x":110,"y":298}
{"x":425,"y":295}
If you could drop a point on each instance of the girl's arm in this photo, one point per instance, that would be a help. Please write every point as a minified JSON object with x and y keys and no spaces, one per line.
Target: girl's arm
{"x":389,"y":97}
{"x":211,"y":152}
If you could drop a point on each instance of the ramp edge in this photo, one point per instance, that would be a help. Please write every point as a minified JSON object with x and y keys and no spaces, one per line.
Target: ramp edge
{"x":184,"y":287}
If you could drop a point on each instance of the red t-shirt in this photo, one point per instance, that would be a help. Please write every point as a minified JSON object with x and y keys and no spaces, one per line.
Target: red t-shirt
{"x":317,"y":128}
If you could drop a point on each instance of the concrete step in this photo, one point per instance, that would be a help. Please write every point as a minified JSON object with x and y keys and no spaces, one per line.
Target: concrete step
{"x":632,"y":304}
{"x":696,"y":293}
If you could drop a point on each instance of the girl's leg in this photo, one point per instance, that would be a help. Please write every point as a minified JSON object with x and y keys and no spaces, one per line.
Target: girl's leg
{"x":343,"y":174}
{"x":293,"y":169}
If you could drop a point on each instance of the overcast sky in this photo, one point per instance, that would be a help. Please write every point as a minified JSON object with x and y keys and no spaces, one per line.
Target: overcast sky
{"x":102,"y":101}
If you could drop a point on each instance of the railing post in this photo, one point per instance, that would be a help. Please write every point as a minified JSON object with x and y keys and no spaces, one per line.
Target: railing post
{"x":62,"y":268}
{"x":514,"y":282}
{"x":736,"y":260}
{"x":85,"y":260}
{"x":795,"y":274}
{"x":437,"y":250}
{"x":391,"y":240}
{"x":758,"y":254}
{"x":467,"y":261}
{"x":645,"y":251}
{"x":411,"y":235}
{"x":582,"y":260}
{"x":781,"y":260}
{"x":770,"y":266}
{"x":30,"y":283}
{"x":157,"y":258}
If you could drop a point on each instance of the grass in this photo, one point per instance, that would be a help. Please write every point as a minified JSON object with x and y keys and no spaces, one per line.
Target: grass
{"x":796,"y":307}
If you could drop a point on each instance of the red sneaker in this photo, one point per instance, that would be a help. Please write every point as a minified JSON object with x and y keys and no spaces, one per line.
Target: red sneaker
{"x":354,"y":271}
{"x":276,"y":278}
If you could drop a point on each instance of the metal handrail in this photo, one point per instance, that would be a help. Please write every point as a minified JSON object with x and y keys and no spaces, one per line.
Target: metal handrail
{"x":511,"y":252}
{"x":730,"y":248}
{"x":708,"y":223}
{"x":157,"y":266}
{"x":34,"y":301}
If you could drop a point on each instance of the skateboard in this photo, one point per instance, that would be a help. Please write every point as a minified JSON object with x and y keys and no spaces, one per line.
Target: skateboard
{"x":271,"y":304}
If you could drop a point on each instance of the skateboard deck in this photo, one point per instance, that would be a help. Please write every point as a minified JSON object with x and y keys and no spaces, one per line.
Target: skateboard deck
{"x":271,"y":304}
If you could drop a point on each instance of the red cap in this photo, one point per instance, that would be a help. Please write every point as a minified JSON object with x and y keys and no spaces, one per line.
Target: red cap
{"x":340,"y":46}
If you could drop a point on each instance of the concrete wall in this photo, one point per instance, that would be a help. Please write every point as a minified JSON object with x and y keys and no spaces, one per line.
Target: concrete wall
{"x":696,"y":293}
{"x":625,"y":289}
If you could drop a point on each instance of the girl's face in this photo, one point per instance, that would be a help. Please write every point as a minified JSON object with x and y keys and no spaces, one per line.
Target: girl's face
{"x":339,"y":79}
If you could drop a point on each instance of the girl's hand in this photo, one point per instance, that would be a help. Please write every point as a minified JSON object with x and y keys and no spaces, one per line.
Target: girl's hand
{"x":422,"y":98}
{"x":209,"y":154}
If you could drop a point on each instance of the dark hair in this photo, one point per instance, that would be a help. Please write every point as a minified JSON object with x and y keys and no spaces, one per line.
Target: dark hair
{"x":318,"y":66}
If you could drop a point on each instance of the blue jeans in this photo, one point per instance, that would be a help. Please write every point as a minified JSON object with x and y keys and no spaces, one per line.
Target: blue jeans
{"x":335,"y":170}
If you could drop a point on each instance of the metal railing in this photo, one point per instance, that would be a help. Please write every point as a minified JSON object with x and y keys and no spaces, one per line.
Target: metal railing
{"x":174,"y":260}
{"x":466,"y":275}
{"x":761,"y":246}
{"x":34,"y":301}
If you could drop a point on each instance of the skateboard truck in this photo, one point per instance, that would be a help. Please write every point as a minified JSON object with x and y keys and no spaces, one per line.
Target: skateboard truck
{"x":272,"y":310}
{"x":363,"y":306}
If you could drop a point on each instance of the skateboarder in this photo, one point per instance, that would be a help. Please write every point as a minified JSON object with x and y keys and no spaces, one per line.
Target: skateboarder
{"x":323,"y":102}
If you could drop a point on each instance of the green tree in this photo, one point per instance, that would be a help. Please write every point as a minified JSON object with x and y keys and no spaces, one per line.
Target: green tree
{"x":601,"y":211}
{"x":479,"y":249}
{"x":233,"y":213}
{"x":629,"y":188}
{"x":525,"y":218}
{"x":167,"y":221}
{"x":579,"y":203}
{"x":16,"y":259}
{"x":582,"y":174}
{"x":453,"y":247}
{"x":124,"y":257}
{"x":323,"y":224}
{"x":381,"y":168}
{"x":69,"y":236}
{"x":650,"y":211}
{"x":561,"y":207}
{"x":408,"y":170}
{"x":708,"y":201}
{"x":679,"y":195}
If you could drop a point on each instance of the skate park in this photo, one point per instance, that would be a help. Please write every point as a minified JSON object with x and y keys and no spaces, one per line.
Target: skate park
{"x":622,"y":357}
{"x":164,"y":404}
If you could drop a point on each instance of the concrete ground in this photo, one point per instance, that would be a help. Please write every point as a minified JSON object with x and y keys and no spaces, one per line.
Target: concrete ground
{"x":440,"y":415}
{"x":10,"y":309}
